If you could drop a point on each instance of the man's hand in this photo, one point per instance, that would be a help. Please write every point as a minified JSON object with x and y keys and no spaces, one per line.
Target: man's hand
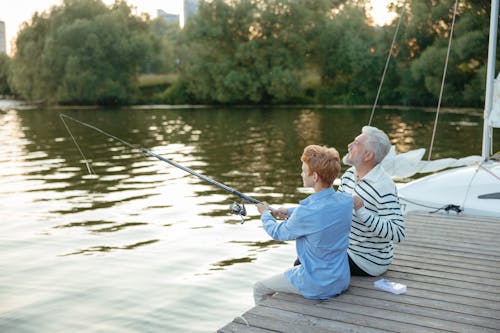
{"x":358,"y":203}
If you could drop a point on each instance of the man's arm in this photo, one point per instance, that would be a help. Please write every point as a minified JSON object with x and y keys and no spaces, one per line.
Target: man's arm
{"x":380,"y":212}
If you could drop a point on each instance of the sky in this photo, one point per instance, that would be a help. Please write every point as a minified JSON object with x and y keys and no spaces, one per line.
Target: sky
{"x":14,"y":13}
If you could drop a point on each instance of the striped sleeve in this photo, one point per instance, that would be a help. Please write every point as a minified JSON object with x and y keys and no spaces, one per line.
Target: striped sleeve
{"x":381,"y":213}
{"x":377,"y":225}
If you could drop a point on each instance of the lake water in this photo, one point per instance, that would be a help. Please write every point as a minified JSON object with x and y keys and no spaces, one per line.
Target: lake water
{"x":145,"y":247}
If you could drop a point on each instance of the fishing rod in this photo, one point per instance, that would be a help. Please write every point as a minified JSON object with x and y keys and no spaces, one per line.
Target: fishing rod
{"x":234,"y":208}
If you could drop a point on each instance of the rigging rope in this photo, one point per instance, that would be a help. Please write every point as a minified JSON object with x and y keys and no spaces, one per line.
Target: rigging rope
{"x":488,"y":171}
{"x":457,"y":209}
{"x":443,"y":79}
{"x":386,"y":66}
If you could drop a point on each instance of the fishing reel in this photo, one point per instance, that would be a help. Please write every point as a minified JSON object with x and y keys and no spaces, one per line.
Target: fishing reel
{"x":237,"y":209}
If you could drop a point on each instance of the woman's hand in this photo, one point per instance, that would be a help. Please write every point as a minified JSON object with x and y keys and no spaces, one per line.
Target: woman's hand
{"x":262,"y":207}
{"x":280,"y":213}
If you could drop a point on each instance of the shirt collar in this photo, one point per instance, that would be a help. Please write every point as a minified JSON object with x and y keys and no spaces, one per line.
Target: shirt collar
{"x":317,"y":195}
{"x":373,"y":175}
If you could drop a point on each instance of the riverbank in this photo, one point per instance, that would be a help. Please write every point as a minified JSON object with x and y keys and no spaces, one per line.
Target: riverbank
{"x":8,"y":104}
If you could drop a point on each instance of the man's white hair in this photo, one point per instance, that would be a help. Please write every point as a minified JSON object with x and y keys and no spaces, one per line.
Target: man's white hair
{"x":377,"y":142}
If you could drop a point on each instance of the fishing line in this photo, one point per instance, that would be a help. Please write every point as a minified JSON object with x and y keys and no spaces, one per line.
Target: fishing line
{"x":89,"y":168}
{"x":235,"y":208}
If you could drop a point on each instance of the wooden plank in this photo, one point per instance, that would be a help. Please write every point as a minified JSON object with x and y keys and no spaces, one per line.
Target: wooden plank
{"x":428,"y":251}
{"x":424,"y":243}
{"x":459,"y":229}
{"x":459,"y":226}
{"x":430,"y":303}
{"x":451,"y":267}
{"x":436,"y":281}
{"x":414,"y":319}
{"x":493,"y":283}
{"x":398,"y":303}
{"x":443,"y":319}
{"x":444,"y":260}
{"x":289,"y":317}
{"x":460,"y":232}
{"x":236,"y":327}
{"x":345,"y":316}
{"x":463,"y":246}
{"x":431,"y":291}
{"x":421,"y":265}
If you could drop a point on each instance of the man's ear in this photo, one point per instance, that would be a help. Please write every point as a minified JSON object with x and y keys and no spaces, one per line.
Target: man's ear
{"x":369,"y":155}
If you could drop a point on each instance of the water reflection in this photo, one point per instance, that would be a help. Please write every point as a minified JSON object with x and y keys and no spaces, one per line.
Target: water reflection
{"x":221,"y":264}
{"x":402,"y":134}
{"x":260,"y":245}
{"x":104,"y":248}
{"x":307,"y":127}
{"x":113,"y":228}
{"x":254,"y":246}
{"x":85,"y":224}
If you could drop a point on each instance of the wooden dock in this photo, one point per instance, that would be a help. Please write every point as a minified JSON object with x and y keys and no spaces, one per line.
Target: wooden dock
{"x":450,"y":265}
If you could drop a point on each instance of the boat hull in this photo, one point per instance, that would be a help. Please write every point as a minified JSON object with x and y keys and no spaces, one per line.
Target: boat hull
{"x":471,"y":190}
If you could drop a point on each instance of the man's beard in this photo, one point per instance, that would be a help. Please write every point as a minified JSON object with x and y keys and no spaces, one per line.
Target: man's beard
{"x":346,"y":160}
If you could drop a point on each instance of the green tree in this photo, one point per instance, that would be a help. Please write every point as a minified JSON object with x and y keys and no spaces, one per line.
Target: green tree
{"x":27,"y":69}
{"x":350,"y":57}
{"x":81,"y":52}
{"x":248,"y":51}
{"x":430,"y":28}
{"x":168,"y":50}
{"x":4,"y":74}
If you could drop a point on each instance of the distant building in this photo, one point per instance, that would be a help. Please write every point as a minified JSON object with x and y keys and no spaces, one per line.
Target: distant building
{"x":3,"y":39}
{"x":189,"y":8}
{"x":170,"y":18}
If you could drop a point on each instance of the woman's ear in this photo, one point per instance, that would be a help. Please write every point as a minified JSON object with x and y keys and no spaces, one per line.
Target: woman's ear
{"x":315,"y":177}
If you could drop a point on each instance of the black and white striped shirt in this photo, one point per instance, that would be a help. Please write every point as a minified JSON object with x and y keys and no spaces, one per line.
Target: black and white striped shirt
{"x":376,"y":225}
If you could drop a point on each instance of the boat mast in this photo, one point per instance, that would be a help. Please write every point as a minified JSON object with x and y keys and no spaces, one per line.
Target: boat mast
{"x":490,"y":77}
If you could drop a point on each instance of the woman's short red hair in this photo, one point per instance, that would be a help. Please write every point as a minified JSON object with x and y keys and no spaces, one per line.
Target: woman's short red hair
{"x":323,"y":160}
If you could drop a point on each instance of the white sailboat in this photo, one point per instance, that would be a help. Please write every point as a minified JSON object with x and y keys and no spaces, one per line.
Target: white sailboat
{"x":467,"y":190}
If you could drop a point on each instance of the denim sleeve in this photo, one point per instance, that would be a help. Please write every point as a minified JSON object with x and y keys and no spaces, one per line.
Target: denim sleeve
{"x":279,"y":230}
{"x":296,"y":226}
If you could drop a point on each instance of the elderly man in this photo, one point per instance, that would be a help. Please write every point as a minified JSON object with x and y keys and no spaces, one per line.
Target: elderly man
{"x":377,"y":221}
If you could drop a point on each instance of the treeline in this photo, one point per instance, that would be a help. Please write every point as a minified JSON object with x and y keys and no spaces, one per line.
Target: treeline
{"x":250,"y":52}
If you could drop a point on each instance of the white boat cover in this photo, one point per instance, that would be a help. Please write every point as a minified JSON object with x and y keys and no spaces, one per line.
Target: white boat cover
{"x":404,"y":165}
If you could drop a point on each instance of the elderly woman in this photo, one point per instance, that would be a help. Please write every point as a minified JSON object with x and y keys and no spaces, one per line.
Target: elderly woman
{"x":320,"y":225}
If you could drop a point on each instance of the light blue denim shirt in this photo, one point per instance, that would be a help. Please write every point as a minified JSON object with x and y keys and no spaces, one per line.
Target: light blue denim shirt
{"x":320,"y":225}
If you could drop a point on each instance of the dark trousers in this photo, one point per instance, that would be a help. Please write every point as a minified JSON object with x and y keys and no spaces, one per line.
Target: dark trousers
{"x":355,"y":270}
